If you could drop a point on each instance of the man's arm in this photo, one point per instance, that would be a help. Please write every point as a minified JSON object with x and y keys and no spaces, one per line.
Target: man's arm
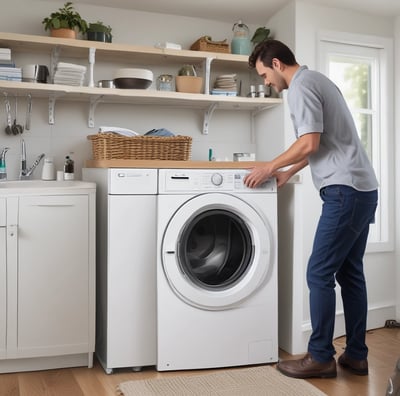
{"x":295,"y":156}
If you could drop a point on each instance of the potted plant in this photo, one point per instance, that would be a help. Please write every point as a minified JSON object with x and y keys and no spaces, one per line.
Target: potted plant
{"x":65,"y":22}
{"x":187,"y":80}
{"x":187,"y":70}
{"x":98,"y":31}
{"x":261,"y":34}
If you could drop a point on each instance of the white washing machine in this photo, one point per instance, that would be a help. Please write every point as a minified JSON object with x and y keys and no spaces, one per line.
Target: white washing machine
{"x":216,"y":270}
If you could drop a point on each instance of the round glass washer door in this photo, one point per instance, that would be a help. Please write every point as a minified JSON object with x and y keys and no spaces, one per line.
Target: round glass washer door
{"x":216,"y":251}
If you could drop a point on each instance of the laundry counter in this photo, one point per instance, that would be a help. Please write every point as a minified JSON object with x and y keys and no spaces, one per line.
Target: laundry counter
{"x":165,"y":164}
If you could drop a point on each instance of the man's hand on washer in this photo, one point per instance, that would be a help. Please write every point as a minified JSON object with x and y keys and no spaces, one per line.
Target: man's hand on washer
{"x":259,"y":175}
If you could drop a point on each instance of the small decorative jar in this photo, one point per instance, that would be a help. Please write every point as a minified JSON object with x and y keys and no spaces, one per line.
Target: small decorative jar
{"x":164,"y":82}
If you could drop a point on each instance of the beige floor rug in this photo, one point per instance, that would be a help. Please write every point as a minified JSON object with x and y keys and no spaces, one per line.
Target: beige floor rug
{"x":253,"y":381}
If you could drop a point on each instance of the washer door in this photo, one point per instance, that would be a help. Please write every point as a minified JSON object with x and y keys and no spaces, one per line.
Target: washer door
{"x":216,"y":251}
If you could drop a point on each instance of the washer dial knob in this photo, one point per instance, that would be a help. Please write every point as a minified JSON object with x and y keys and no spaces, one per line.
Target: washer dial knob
{"x":217,"y":179}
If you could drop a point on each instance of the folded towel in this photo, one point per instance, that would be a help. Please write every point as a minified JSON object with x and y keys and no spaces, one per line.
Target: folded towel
{"x":71,"y":67}
{"x":159,"y":132}
{"x":118,"y":130}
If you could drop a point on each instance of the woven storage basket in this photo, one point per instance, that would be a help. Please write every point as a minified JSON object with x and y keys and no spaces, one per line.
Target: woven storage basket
{"x":205,"y":44}
{"x":111,"y":146}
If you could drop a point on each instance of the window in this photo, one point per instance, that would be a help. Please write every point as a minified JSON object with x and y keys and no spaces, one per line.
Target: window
{"x":361,"y":67}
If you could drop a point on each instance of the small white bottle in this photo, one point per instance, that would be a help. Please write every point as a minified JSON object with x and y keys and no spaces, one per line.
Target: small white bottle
{"x":68,"y":168}
{"x":48,"y":170}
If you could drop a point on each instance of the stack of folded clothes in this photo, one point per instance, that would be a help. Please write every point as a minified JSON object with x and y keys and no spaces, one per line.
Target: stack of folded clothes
{"x":225,"y":85}
{"x":8,"y":71}
{"x":69,"y":74}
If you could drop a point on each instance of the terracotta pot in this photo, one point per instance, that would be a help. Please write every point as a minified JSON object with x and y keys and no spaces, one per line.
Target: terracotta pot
{"x":188,"y":84}
{"x":63,"y":33}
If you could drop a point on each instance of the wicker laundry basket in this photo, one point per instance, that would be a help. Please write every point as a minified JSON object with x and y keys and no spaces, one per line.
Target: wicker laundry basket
{"x":113,"y":146}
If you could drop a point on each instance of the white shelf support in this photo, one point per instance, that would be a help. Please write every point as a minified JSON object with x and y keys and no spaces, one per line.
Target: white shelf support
{"x":52,"y":105}
{"x":207,"y":77}
{"x":207,"y":116}
{"x":94,"y":101}
{"x":92,"y":60}
{"x":55,"y":56}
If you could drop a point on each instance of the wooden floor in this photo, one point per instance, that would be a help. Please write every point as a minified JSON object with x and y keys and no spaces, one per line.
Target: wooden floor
{"x":384,"y":347}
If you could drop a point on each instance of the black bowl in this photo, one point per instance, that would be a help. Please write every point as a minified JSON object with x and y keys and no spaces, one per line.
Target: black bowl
{"x":132,"y":83}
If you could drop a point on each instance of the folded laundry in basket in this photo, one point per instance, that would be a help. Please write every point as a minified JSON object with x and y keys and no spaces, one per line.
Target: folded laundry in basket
{"x":118,"y":130}
{"x":159,"y":132}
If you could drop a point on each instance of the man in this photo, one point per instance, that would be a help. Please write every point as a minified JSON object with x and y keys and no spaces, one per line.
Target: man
{"x":327,"y":140}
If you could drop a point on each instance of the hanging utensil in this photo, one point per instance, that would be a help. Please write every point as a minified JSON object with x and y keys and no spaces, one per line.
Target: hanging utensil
{"x":17,"y":129}
{"x":28,"y":113}
{"x":8,"y":128}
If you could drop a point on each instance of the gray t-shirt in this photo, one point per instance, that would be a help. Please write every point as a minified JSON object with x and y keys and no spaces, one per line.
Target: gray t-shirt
{"x":317,"y":105}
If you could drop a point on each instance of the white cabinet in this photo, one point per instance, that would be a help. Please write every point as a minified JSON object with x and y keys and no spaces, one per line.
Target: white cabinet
{"x":3,"y":281}
{"x":47,"y":313}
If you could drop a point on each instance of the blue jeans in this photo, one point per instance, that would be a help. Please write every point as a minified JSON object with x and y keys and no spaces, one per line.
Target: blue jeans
{"x":338,"y":252}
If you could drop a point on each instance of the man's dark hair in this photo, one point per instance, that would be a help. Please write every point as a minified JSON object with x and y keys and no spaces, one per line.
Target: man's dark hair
{"x":270,"y":49}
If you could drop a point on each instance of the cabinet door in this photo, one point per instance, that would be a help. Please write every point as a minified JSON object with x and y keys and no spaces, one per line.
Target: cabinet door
{"x":53,"y":275}
{"x":3,"y":291}
{"x":3,"y":279}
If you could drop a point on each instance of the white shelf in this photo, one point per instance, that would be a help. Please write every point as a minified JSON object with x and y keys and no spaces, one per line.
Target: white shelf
{"x":122,"y":52}
{"x":112,"y":51}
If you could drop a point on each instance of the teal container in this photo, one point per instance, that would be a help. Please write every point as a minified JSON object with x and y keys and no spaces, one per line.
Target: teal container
{"x":241,"y":43}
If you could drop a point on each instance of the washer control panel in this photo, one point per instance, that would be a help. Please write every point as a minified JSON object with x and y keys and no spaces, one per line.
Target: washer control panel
{"x":209,"y":180}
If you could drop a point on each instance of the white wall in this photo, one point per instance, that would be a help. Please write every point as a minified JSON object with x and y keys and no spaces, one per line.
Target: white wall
{"x":397,"y":159}
{"x":379,"y":268}
{"x":300,"y":204}
{"x":229,"y":131}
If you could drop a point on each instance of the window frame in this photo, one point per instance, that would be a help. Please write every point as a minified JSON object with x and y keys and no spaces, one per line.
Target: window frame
{"x":384,"y":140}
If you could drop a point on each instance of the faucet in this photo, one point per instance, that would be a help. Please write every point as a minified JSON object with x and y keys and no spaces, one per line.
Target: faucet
{"x":24,"y":172}
{"x":3,"y":169}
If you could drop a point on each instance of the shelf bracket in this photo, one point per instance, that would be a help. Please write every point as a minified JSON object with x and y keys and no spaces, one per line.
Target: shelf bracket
{"x":207,"y":116}
{"x":52,"y":105}
{"x":55,"y":56}
{"x":92,"y":57}
{"x":94,"y":101}
{"x":208,"y":62}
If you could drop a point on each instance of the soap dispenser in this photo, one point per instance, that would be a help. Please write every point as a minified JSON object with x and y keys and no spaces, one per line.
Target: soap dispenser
{"x":241,"y":43}
{"x":3,"y":169}
{"x":68,"y":168}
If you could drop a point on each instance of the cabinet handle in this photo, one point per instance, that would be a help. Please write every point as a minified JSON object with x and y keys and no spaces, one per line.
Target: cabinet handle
{"x":54,"y":205}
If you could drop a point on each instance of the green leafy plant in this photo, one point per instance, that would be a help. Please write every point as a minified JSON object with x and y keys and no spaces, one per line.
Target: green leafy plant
{"x":187,"y":70}
{"x":65,"y":17}
{"x":261,"y":34}
{"x":98,"y":31}
{"x":99,"y":27}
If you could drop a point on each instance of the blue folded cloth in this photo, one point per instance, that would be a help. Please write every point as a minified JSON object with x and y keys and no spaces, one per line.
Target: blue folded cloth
{"x":159,"y":132}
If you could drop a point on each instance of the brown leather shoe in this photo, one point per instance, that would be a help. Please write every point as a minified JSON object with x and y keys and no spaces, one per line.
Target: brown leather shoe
{"x":307,"y":367}
{"x":359,"y":367}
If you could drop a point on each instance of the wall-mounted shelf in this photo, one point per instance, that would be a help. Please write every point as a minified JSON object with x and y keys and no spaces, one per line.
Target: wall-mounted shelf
{"x":148,"y":56}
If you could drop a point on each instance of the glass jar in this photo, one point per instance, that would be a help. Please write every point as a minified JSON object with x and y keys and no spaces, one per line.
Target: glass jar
{"x":164,"y":82}
{"x":241,"y":43}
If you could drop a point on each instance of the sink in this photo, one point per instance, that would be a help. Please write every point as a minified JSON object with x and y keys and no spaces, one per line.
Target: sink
{"x":29,"y":185}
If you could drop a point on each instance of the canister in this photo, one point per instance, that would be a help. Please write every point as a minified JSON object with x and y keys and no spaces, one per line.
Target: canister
{"x":164,"y":82}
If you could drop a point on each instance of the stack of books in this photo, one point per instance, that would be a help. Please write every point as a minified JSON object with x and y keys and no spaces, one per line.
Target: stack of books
{"x":8,"y":71}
